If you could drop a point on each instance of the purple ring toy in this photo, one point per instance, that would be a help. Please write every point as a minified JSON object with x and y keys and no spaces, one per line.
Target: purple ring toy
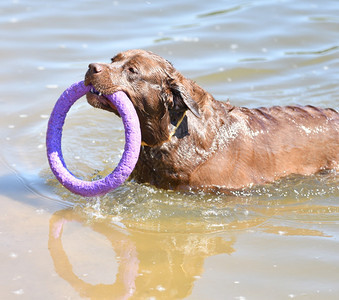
{"x":129,"y":157}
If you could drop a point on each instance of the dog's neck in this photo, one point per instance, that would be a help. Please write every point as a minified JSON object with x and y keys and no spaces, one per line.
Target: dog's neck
{"x":178,"y":127}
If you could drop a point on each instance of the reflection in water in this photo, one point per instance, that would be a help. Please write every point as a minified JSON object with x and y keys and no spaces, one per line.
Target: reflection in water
{"x":124,"y":285}
{"x":158,"y":265}
{"x":161,"y":239}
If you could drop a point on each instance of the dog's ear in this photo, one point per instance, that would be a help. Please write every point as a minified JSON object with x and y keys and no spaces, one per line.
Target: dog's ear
{"x":182,"y":99}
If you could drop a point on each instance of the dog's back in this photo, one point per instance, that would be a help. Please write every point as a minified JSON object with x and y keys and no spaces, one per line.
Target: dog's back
{"x":257,"y":146}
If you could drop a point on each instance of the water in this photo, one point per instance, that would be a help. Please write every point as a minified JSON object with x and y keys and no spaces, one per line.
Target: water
{"x":278,"y":241}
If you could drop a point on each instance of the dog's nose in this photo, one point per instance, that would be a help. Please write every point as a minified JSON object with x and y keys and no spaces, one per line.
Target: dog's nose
{"x":95,"y":68}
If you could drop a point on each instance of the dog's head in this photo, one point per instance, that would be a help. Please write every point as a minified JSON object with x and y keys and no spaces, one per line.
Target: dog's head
{"x":155,"y":88}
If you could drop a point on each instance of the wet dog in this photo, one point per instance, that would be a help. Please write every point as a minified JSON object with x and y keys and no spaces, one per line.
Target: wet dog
{"x":192,"y":141}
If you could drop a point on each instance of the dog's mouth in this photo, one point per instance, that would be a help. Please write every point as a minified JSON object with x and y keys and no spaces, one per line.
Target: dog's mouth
{"x":97,"y":99}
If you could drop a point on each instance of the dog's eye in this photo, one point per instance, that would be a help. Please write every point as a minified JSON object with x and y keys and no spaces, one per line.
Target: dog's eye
{"x":132,"y":70}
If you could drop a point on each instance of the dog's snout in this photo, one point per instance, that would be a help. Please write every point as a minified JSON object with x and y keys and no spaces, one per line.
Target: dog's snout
{"x":95,"y":68}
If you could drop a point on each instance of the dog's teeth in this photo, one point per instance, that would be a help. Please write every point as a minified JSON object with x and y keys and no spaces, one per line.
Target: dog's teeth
{"x":92,"y":90}
{"x":100,"y":94}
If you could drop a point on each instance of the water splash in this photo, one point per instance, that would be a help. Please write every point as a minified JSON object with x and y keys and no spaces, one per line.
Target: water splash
{"x":143,"y":207}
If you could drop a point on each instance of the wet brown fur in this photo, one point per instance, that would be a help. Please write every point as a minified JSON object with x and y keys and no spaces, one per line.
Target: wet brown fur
{"x":217,"y":146}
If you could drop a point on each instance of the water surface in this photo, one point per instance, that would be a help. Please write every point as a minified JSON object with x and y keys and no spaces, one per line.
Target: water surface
{"x":278,"y":241}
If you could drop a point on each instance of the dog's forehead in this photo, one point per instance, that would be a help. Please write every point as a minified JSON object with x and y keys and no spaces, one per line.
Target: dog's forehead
{"x":146,"y":63}
{"x":141,"y":58}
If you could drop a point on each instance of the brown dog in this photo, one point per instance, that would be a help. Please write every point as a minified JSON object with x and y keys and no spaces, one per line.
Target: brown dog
{"x":192,"y":141}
